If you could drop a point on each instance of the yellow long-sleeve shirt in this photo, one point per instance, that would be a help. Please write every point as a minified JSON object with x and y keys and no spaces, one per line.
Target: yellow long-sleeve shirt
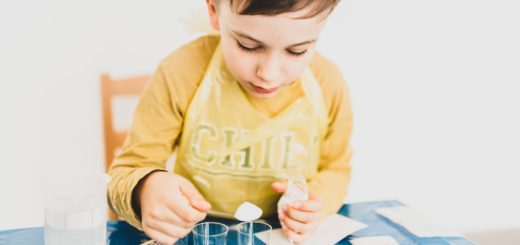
{"x":159,"y":116}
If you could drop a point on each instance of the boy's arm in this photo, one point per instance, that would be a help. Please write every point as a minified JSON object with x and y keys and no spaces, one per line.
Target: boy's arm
{"x":150,"y":142}
{"x":157,"y":123}
{"x":334,"y":170}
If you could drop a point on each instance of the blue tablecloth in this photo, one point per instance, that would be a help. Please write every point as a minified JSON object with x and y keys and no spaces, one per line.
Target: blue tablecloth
{"x":120,"y":232}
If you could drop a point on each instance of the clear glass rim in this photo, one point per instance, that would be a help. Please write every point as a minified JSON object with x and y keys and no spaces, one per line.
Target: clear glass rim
{"x":226,"y":229}
{"x":254,"y":222}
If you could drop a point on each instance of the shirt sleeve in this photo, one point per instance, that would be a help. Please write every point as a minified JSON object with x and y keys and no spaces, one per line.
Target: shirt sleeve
{"x":334,"y":170}
{"x":157,"y":123}
{"x":149,"y":144}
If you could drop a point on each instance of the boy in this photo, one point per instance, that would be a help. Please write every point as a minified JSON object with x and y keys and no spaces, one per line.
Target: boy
{"x":243,"y":109}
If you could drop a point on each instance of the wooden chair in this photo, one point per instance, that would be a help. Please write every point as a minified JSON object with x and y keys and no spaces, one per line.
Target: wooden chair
{"x":111,"y":88}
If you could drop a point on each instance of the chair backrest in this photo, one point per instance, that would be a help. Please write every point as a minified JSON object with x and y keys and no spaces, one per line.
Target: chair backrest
{"x":111,"y":88}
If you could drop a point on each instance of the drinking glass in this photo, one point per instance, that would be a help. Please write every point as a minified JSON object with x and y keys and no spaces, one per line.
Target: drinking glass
{"x":210,"y":233}
{"x":254,"y":233}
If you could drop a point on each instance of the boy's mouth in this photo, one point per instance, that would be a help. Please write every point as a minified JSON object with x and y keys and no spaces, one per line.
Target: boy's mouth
{"x":261,"y":90}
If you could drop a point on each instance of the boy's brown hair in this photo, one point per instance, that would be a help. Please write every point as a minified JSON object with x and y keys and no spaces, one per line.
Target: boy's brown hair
{"x":275,"y":7}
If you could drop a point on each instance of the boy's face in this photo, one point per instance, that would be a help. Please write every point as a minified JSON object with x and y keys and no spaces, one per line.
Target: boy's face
{"x":265,"y":53}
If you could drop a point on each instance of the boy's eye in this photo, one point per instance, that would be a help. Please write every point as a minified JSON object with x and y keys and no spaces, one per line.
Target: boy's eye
{"x":295,"y":53}
{"x":257,"y":48}
{"x":248,"y":49}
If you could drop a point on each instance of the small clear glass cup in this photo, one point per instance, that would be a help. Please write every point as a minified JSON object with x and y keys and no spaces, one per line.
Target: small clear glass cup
{"x":254,"y":233}
{"x":210,"y":233}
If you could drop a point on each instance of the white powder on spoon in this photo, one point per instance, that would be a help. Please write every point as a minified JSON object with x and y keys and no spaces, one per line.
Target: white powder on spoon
{"x":248,"y":212}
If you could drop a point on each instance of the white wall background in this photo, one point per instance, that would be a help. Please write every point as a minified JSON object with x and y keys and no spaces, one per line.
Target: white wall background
{"x":434,"y":84}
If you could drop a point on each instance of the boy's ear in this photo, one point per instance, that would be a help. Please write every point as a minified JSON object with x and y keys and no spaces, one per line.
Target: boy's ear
{"x":213,"y":16}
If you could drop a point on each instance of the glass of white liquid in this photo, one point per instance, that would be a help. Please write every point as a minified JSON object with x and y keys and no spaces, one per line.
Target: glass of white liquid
{"x":76,"y":211}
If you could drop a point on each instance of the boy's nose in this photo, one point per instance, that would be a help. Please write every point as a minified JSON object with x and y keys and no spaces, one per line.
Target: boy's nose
{"x":269,"y":71}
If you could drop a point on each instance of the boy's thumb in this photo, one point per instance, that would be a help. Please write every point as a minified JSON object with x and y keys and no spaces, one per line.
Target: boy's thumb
{"x":201,"y":204}
{"x":279,"y":187}
{"x":194,"y":197}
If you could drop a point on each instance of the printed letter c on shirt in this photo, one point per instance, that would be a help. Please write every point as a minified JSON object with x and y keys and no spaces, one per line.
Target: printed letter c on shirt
{"x":202,"y":136}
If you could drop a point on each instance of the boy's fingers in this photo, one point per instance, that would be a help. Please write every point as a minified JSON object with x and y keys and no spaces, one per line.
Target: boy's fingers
{"x":308,"y":206}
{"x":294,"y":225}
{"x":187,"y":212}
{"x":171,"y":217}
{"x":168,"y":229}
{"x":160,"y":237}
{"x":279,"y":187}
{"x":302,"y":216}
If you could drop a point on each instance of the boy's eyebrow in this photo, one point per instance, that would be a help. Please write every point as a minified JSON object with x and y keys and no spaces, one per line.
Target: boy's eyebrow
{"x":258,"y":41}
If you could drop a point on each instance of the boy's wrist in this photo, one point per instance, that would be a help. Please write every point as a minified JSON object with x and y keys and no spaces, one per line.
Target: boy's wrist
{"x":137,"y":191}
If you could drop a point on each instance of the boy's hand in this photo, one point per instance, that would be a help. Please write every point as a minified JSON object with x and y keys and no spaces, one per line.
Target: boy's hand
{"x":170,"y":207}
{"x":301,"y":219}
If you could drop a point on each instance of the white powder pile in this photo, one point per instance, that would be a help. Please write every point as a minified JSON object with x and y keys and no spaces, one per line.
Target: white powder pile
{"x":248,"y":212}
